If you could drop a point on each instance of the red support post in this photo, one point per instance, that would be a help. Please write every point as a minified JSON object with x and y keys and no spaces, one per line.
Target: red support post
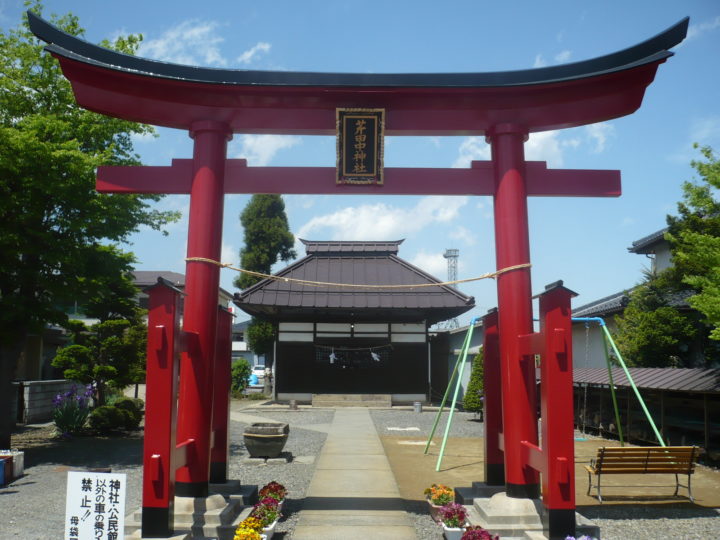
{"x":158,"y":491}
{"x":494,"y":459}
{"x":514,"y":306}
{"x":556,"y":408}
{"x":221,"y":398}
{"x":202,"y":281}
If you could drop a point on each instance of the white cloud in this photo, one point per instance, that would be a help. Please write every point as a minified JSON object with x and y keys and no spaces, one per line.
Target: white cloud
{"x":563,"y":56}
{"x":705,"y":130}
{"x":461,"y":233}
{"x":696,"y":30}
{"x":251,"y":54}
{"x":260,"y":150}
{"x":599,"y":134}
{"x":382,"y":221}
{"x":545,"y":146}
{"x":433,"y":263}
{"x":191,"y":42}
{"x":229,"y":255}
{"x":539,"y":61}
{"x":472,"y":149}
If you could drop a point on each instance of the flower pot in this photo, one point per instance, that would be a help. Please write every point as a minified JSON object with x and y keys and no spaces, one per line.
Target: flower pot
{"x":270,"y":529}
{"x":452,"y":533}
{"x":434,"y":511}
{"x":265,"y":439}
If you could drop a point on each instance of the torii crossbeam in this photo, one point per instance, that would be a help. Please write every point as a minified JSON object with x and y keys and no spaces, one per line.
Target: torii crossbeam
{"x":212,"y":104}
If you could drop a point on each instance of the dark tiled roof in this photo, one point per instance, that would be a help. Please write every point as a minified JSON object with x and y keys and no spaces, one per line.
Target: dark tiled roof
{"x":240,"y":326}
{"x":371,"y":263}
{"x":145,"y":278}
{"x":680,"y":380}
{"x":148,"y":278}
{"x":609,"y":305}
{"x":643,"y":245}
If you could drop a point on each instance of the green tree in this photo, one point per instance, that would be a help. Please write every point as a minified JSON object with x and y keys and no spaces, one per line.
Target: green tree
{"x":695,"y":239}
{"x":53,"y":223}
{"x":239,"y":375}
{"x":650,"y":333}
{"x":106,"y":354}
{"x":267,"y":239}
{"x":654,"y":333}
{"x":473,"y":399}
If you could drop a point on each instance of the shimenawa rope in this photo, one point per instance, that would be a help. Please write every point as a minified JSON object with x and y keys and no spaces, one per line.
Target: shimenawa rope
{"x":491,"y":275}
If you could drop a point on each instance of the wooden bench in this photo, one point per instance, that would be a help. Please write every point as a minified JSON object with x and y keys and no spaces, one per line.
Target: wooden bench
{"x":644,"y":460}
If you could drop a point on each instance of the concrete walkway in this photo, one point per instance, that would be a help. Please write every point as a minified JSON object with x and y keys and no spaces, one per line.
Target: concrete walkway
{"x":353,"y":494}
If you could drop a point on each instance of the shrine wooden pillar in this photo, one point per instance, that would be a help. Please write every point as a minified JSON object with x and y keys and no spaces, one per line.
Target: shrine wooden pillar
{"x":494,"y":459}
{"x":202,"y":282}
{"x":519,"y":403}
{"x":221,"y":398}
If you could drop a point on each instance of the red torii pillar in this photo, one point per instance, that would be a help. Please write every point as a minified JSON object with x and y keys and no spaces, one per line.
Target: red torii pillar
{"x":202,"y":282}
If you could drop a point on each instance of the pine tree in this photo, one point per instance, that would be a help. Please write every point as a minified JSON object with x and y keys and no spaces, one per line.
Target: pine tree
{"x":267,"y":239}
{"x":473,"y":399}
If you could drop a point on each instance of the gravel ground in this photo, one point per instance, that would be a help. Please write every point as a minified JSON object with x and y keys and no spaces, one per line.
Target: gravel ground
{"x":303,"y":444}
{"x":33,"y":507}
{"x":463,"y":424}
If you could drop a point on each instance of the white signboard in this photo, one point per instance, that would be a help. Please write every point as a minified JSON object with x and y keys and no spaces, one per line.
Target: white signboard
{"x":95,"y":506}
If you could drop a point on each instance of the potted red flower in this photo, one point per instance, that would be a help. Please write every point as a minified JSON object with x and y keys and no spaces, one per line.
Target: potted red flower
{"x":453,"y":517}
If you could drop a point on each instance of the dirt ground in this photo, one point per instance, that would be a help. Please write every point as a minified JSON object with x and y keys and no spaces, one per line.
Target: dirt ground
{"x":463,"y":464}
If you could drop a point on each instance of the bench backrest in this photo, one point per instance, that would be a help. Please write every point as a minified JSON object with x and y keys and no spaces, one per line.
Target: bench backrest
{"x":647,"y":459}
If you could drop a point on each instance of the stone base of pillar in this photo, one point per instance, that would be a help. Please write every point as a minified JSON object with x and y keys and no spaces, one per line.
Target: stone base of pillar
{"x":478,"y":490}
{"x":215,"y":516}
{"x":519,"y":518}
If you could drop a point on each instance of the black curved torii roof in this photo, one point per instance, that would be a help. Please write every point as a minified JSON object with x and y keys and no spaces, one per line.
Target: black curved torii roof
{"x":286,"y":102}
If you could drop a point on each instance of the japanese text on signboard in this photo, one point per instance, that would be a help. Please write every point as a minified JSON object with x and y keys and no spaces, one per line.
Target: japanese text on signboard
{"x":360,"y":146}
{"x":95,"y":506}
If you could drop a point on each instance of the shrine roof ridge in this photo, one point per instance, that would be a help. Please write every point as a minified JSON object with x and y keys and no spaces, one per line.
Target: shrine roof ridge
{"x":331,"y":247}
{"x":655,"y":49}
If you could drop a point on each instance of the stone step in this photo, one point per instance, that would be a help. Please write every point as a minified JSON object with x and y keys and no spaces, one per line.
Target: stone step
{"x":352,"y":400}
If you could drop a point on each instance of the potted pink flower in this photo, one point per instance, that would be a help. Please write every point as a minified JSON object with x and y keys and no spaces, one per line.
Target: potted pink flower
{"x":478,"y":533}
{"x":453,"y":517}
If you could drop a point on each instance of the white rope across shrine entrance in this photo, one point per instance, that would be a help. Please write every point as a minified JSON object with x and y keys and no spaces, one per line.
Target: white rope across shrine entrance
{"x":489,"y":275}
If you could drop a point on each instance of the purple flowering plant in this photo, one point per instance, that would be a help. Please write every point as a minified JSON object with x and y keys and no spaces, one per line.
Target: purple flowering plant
{"x":72,"y":409}
{"x":453,"y":515}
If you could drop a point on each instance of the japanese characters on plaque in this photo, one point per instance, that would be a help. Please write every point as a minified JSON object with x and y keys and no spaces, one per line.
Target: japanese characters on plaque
{"x":360,"y":134}
{"x":95,"y":506}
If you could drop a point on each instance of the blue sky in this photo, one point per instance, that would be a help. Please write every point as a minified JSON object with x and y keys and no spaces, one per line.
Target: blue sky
{"x":582,"y":241}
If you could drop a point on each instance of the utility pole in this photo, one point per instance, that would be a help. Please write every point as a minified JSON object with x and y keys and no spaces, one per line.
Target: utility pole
{"x":452,"y":256}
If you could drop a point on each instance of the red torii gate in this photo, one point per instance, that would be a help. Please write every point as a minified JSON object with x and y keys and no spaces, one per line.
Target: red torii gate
{"x":212,"y":104}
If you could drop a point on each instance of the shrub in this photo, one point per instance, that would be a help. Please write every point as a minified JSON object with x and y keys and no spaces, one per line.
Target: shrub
{"x":71,"y":410}
{"x":473,"y":399}
{"x":109,"y":419}
{"x":239,"y":374}
{"x":135,"y":409}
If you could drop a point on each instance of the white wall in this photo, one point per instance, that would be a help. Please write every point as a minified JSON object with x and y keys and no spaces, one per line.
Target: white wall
{"x":588,"y":350}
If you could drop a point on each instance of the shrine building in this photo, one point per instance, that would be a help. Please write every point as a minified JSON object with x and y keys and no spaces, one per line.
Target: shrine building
{"x":353,"y":339}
